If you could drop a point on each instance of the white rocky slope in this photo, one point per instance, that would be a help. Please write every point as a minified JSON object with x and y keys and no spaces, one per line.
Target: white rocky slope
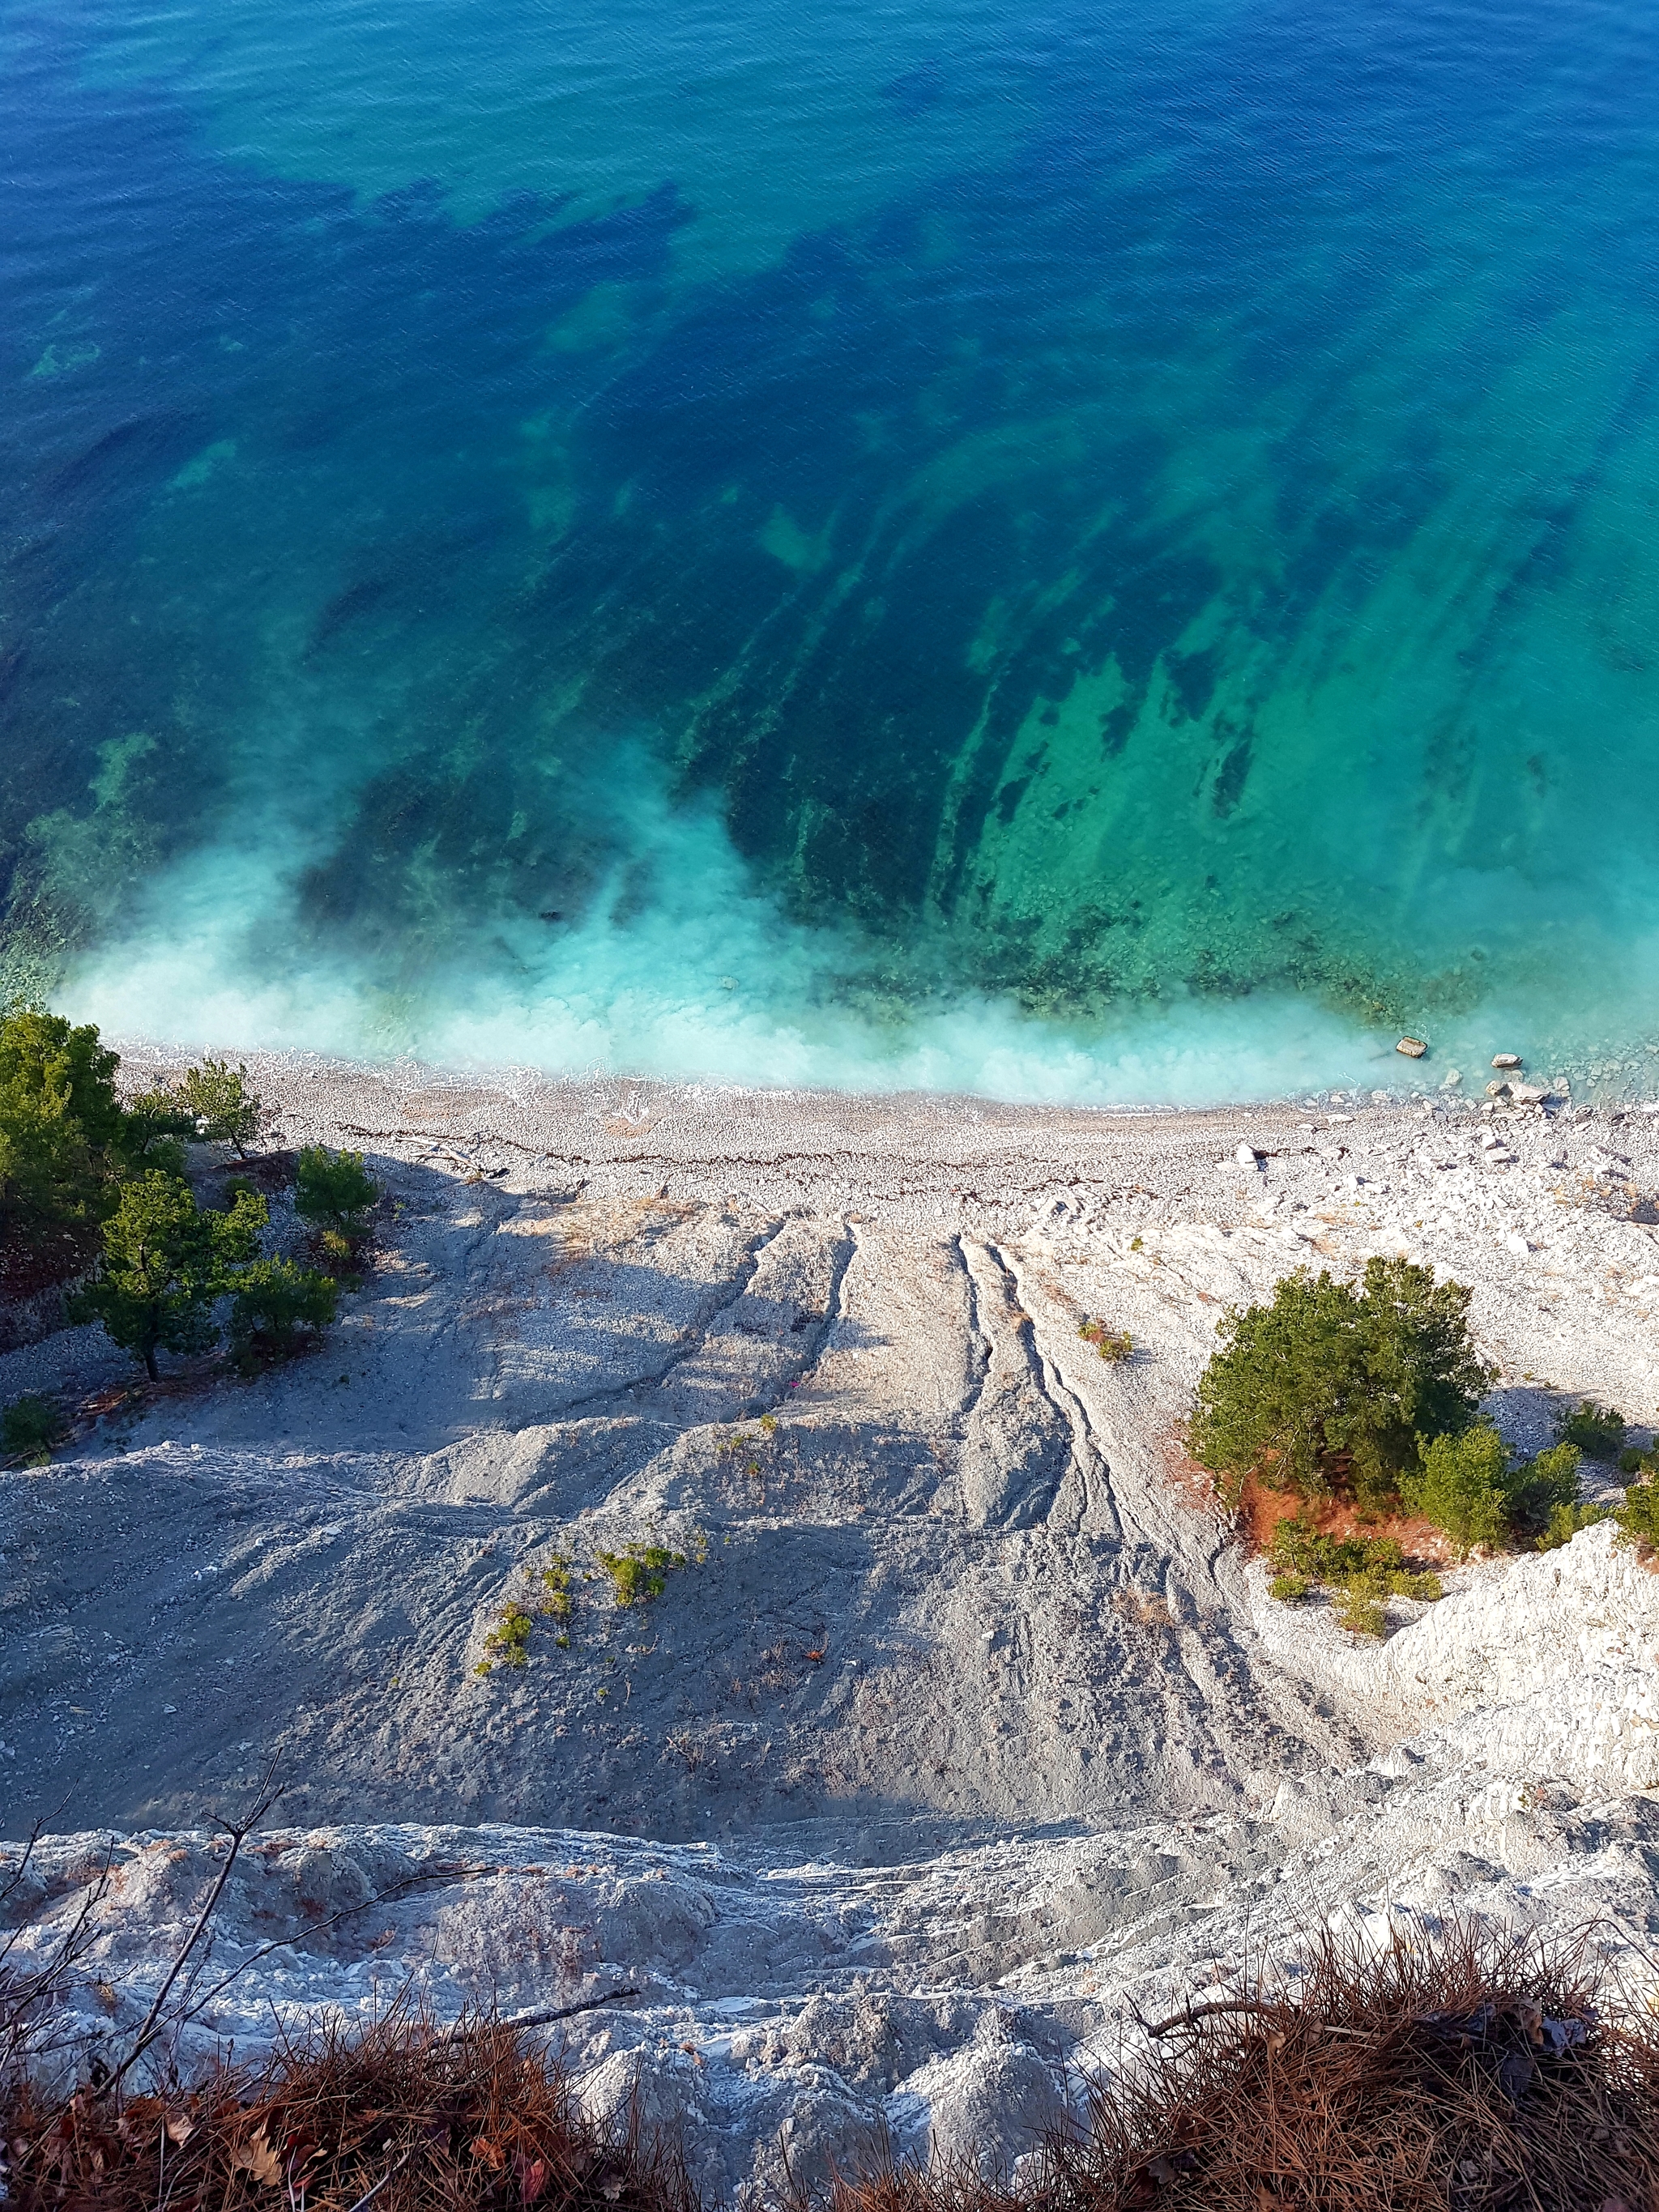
{"x":810,"y":2008}
{"x":961,"y":1728}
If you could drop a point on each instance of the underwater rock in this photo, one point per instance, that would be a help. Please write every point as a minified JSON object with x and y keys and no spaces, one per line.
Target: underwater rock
{"x":1413,"y":1047}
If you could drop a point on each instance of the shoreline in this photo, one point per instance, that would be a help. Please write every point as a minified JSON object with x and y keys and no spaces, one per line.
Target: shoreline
{"x":532,"y":1113}
{"x":1566,"y":1226}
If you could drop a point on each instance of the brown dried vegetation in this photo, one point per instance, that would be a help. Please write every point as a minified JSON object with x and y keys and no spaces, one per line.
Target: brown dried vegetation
{"x":1473,"y":2077}
{"x":406,"y":2116}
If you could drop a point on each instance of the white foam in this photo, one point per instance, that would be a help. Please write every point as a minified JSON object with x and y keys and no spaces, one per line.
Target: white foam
{"x":701,"y":977}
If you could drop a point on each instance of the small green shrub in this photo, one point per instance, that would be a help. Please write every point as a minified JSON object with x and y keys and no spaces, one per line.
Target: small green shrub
{"x":508,"y":1642}
{"x":1112,"y":1344}
{"x":1462,"y":1487}
{"x":1327,"y":1387}
{"x":1634,"y":1461}
{"x":1597,"y":1430}
{"x":1467,"y":1487}
{"x":1541,"y":1486}
{"x":1361,"y":1610}
{"x":1300,"y":1548}
{"x":337,"y":1253}
{"x":29,"y":1427}
{"x":1362,"y":1572}
{"x":640,"y":1571}
{"x":221,"y":1107}
{"x":1639,"y":1516}
{"x":277,"y":1301}
{"x":1566,"y":1521}
{"x":333,"y":1190}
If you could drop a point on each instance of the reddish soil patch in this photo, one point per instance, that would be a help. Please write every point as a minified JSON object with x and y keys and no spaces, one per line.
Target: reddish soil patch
{"x":1261,"y":1509}
{"x":1195,"y":1483}
{"x":42,"y":1260}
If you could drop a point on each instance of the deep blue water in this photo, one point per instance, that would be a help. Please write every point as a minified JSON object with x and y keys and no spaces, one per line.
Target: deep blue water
{"x":1093,"y":551}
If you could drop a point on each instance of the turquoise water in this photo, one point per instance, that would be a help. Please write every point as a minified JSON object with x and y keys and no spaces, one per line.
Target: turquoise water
{"x":1099,"y":552}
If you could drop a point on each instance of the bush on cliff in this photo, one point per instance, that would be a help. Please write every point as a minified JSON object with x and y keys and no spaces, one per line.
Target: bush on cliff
{"x":61,"y":1123}
{"x":333,"y":1190}
{"x":153,"y":1125}
{"x":1461,"y":1487}
{"x":221,"y":1108}
{"x":1598,"y":1432}
{"x":1542,"y":1488}
{"x":278,"y":1301}
{"x":29,"y":1427}
{"x":68,"y":1142}
{"x":1639,"y":1516}
{"x":1331,"y":1389}
{"x":1468,"y":1488}
{"x":165,"y":1261}
{"x":1363,"y":1573}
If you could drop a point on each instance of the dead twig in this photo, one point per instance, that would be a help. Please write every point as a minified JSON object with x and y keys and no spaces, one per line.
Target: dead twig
{"x":1193,"y":2013}
{"x":24,"y":1996}
{"x":460,"y":2031}
{"x":391,"y":2173}
{"x":152,"y":2022}
{"x":1196,"y":2013}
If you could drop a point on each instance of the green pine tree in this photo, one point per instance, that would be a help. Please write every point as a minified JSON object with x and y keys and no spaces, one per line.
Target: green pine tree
{"x":275,"y":1299}
{"x":61,"y":1122}
{"x":222,"y":1109}
{"x":333,"y":1189}
{"x":1327,"y":1387}
{"x":164,"y":1262}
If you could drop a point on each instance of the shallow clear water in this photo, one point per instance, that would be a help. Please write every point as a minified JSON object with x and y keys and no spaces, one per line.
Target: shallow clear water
{"x":1080,"y":551}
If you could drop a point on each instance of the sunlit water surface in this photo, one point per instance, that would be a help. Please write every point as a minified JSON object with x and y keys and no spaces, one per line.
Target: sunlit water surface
{"x":1084,"y":551}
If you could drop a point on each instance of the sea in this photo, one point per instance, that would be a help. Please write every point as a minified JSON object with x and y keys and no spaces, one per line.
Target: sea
{"x":1094,"y":551}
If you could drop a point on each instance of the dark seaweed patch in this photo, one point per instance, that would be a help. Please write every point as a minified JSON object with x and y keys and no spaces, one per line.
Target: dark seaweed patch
{"x":345,"y":608}
{"x":1230,"y":778}
{"x":1193,"y":678}
{"x":125,"y":457}
{"x":1008,"y":799}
